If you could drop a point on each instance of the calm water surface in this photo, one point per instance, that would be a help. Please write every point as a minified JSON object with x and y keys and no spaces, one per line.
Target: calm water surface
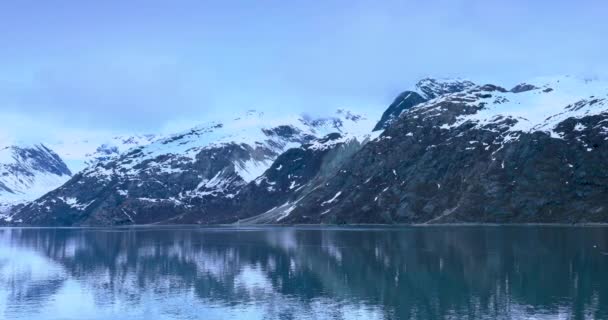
{"x":305,"y":273}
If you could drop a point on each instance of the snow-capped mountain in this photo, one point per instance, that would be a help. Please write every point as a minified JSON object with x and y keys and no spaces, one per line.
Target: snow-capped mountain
{"x":446,"y":151}
{"x":28,"y":172}
{"x":536,"y":153}
{"x":178,"y":175}
{"x":78,"y":154}
{"x":424,"y":90}
{"x":538,"y":107}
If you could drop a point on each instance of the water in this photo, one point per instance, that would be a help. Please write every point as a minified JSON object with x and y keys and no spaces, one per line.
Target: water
{"x":305,"y":273}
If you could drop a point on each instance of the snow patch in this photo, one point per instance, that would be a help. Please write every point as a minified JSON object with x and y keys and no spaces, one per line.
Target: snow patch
{"x":251,"y":169}
{"x":332,"y":199}
{"x":540,"y":109}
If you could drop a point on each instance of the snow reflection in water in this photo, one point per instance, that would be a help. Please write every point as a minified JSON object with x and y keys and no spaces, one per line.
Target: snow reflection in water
{"x":304,"y":273}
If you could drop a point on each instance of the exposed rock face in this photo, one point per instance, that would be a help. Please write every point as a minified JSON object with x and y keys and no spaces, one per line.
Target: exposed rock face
{"x":292,"y":174}
{"x":482,"y":155}
{"x":448,"y":152}
{"x":430,"y":88}
{"x":190,"y":177}
{"x":523,"y":87}
{"x":26,"y":173}
{"x":426,"y":89}
{"x":404,"y":101}
{"x":295,"y":174}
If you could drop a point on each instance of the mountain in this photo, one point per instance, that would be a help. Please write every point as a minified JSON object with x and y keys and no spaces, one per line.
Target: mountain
{"x":182,"y":177}
{"x":425,"y":90}
{"x":294,"y":173}
{"x":31,"y":170}
{"x":28,"y":172}
{"x":448,"y":151}
{"x":536,"y":153}
{"x":78,"y":154}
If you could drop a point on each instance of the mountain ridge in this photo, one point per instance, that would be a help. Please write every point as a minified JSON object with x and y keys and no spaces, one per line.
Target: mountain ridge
{"x":448,"y":151}
{"x":482,"y":155}
{"x":27,"y":172}
{"x":177,"y":174}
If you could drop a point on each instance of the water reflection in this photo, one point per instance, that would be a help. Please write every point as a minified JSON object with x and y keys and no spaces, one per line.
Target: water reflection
{"x":290,"y":273}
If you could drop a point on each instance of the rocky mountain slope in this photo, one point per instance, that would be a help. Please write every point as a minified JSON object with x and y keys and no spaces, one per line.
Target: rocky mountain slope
{"x":294,"y":173}
{"x":426,"y":89}
{"x":194,"y":176}
{"x":28,"y":172}
{"x":447,"y":151}
{"x":536,"y":153}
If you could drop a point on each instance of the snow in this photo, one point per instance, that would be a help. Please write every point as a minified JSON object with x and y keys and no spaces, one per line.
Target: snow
{"x":217,"y":185}
{"x":334,"y":198}
{"x":579,"y":127}
{"x":24,"y":177}
{"x":360,"y":130}
{"x":128,"y":216}
{"x":317,"y":145}
{"x":73,"y":203}
{"x":538,"y":109}
{"x":253,"y":133}
{"x":79,"y":154}
{"x":251,"y":169}
{"x":287,"y":211}
{"x":430,"y":87}
{"x":293,"y":185}
{"x":31,"y":181}
{"x":173,"y":200}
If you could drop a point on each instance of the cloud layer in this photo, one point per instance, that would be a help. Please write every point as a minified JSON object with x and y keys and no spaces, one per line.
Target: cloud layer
{"x":121,"y":66}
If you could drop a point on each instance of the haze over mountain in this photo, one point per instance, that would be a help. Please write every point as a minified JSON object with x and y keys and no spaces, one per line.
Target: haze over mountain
{"x":449,"y":150}
{"x":77,"y":71}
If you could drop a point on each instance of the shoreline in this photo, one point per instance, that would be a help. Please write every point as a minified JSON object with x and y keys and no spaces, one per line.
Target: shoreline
{"x":318,"y":226}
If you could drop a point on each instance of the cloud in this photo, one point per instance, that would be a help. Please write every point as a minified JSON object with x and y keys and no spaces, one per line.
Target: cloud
{"x":21,"y":128}
{"x":135,"y":66}
{"x":119,"y":91}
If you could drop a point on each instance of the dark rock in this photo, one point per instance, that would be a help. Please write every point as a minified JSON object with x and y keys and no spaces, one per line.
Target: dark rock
{"x":404,"y":101}
{"x":453,"y":158}
{"x":432,"y":88}
{"x":420,"y":171}
{"x":523,"y":87}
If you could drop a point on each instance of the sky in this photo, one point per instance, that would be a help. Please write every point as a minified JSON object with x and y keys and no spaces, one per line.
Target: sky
{"x":71,"y":69}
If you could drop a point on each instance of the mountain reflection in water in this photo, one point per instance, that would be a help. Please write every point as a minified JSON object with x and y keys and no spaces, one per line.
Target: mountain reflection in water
{"x":437,"y":272}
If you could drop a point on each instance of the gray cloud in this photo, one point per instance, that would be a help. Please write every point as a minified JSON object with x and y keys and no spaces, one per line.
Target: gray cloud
{"x":137,"y":65}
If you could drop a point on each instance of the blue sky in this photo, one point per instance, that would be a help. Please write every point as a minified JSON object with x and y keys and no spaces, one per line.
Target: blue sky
{"x":77,"y":68}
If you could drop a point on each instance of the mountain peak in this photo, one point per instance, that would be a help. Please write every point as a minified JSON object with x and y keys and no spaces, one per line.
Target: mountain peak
{"x":431,"y":88}
{"x":27,"y":172}
{"x":426,"y":89}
